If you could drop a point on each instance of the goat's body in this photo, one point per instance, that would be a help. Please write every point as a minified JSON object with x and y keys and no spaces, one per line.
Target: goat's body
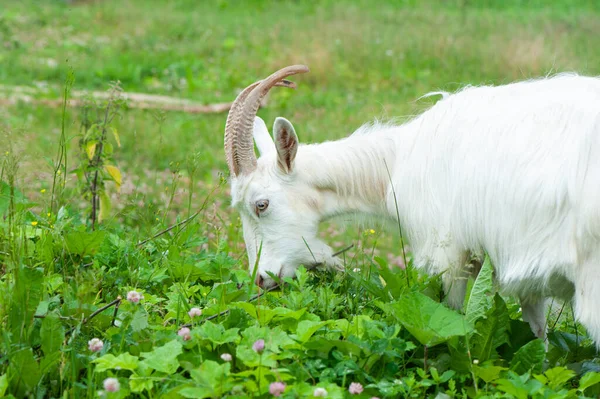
{"x":512,"y":171}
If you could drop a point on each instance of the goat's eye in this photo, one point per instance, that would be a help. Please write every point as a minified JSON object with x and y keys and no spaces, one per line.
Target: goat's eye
{"x":261,"y":205}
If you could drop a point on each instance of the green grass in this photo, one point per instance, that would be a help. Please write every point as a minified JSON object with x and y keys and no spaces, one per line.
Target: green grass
{"x":367,"y":61}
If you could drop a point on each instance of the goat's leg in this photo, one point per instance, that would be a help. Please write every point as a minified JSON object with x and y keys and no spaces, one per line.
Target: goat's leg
{"x":455,"y":288}
{"x":534,"y":313}
{"x":455,"y":276}
{"x":587,"y":299}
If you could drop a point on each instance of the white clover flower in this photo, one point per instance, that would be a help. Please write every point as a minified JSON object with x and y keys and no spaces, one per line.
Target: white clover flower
{"x":134,"y":296}
{"x":95,"y":344}
{"x":111,"y":385}
{"x":185,"y":333}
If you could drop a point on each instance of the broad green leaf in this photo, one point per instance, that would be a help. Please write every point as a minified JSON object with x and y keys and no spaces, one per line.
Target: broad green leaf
{"x":357,"y":325}
{"x":139,"y":320}
{"x":124,"y":361}
{"x":217,"y":334}
{"x":26,"y":370}
{"x":275,"y":342}
{"x":275,"y":338}
{"x":393,"y":279}
{"x":254,"y":377}
{"x":211,"y":379}
{"x":556,"y":377}
{"x":343,"y":325}
{"x":90,"y":149}
{"x":115,"y":174}
{"x":138,"y":383}
{"x":324,"y":346}
{"x":530,"y":357}
{"x":164,"y":358}
{"x":279,"y":313}
{"x":225,"y":292}
{"x":116,"y":135}
{"x":266,"y":315}
{"x":491,"y":331}
{"x":306,"y":390}
{"x":105,"y":206}
{"x":196,"y":392}
{"x":516,"y":386}
{"x":26,"y":297}
{"x":3,"y":384}
{"x":428,"y":321}
{"x":589,"y":379}
{"x":488,"y":372}
{"x":250,"y":358}
{"x":247,"y":307}
{"x":480,"y":300}
{"x":54,"y":282}
{"x":52,"y":334}
{"x":84,"y":243}
{"x":307,"y":328}
{"x":91,"y":132}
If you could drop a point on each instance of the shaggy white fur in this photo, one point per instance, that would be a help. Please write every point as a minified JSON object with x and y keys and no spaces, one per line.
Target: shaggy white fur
{"x":512,"y":171}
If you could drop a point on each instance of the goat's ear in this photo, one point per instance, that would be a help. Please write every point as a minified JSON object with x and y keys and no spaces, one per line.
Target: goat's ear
{"x":262,"y":138}
{"x":286,"y":143}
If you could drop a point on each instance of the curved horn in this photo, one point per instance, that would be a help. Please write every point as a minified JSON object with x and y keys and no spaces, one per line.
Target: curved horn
{"x":239,"y":145}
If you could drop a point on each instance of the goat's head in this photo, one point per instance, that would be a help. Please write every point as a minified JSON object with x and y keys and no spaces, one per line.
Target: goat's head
{"x":278,"y":210}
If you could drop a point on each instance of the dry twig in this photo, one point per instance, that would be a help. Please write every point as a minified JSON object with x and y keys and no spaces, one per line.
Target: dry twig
{"x":12,"y":95}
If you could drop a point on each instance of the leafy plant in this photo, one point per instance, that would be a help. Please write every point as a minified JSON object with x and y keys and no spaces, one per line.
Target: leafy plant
{"x":96,"y":161}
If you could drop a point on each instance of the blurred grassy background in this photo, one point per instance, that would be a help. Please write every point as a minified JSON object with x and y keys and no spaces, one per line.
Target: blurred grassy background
{"x":368,"y":59}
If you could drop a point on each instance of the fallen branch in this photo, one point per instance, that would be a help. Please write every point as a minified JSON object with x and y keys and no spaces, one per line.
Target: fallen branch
{"x":13,"y":95}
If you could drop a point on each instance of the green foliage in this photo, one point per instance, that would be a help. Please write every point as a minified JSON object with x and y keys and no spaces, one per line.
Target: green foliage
{"x":70,"y":256}
{"x":430,"y":322}
{"x":479,"y":299}
{"x":529,"y":357}
{"x":163,"y":358}
{"x":124,"y":361}
{"x":96,"y":153}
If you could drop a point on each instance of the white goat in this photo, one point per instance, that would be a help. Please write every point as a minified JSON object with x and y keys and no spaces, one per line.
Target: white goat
{"x":512,"y":171}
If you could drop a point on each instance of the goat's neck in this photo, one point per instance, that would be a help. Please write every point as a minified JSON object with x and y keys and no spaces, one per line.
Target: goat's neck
{"x":351,"y":175}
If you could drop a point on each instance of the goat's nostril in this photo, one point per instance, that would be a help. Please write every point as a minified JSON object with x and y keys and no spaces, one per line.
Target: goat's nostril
{"x":260,"y":281}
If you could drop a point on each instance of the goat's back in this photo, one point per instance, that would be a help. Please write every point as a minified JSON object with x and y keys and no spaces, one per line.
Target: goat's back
{"x":512,"y":170}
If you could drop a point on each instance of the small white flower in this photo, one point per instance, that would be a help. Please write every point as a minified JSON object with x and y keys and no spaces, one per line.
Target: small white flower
{"x":195,"y":312}
{"x":227,"y":357}
{"x":134,"y":296}
{"x":259,"y":346}
{"x":320,"y":392}
{"x":356,"y":270}
{"x":111,"y":385}
{"x":475,"y":361}
{"x":95,"y":344}
{"x":355,"y":388}
{"x":185,"y":333}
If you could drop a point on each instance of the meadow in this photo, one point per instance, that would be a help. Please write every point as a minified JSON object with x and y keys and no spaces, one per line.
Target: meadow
{"x":123,"y":271}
